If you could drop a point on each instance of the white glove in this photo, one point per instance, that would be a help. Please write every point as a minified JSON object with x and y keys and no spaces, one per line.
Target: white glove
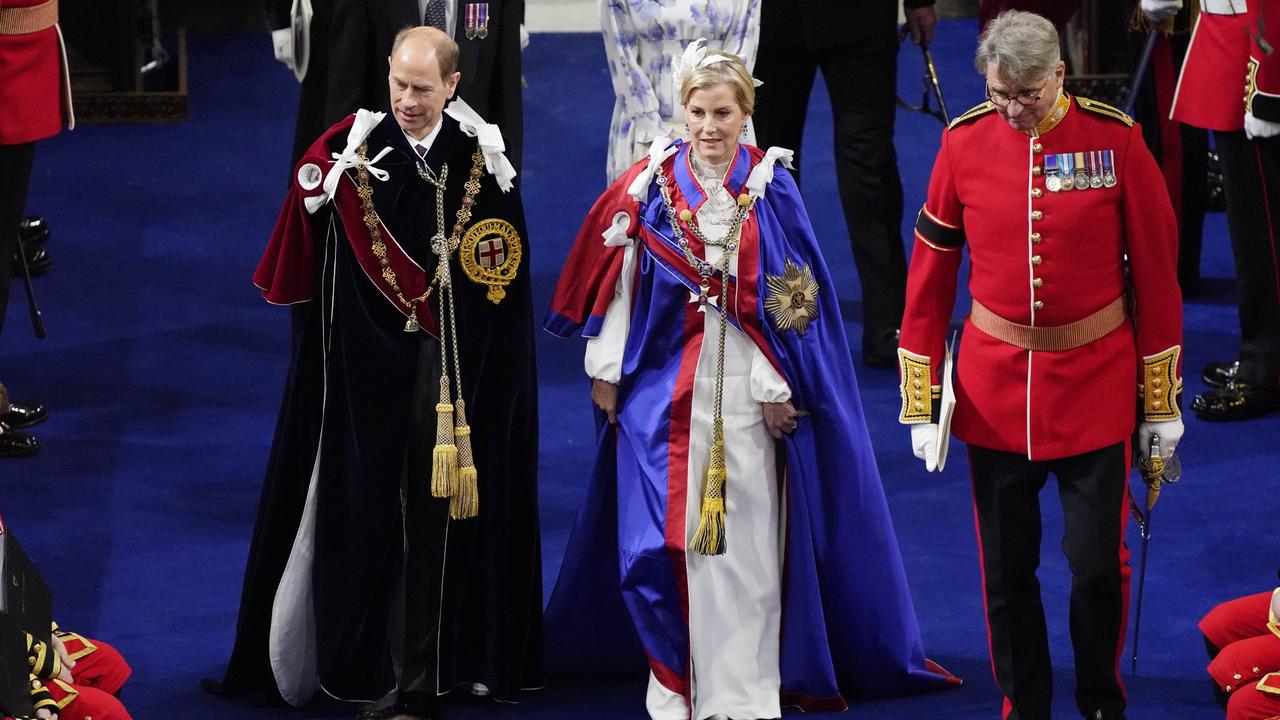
{"x":924,"y":441}
{"x":1275,"y":602}
{"x":282,"y":43}
{"x":1161,"y":10}
{"x":1170,"y":432}
{"x":1255,"y":128}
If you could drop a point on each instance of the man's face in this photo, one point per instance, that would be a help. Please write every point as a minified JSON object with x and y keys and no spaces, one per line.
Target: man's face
{"x":418,"y":92}
{"x":1010,"y":100}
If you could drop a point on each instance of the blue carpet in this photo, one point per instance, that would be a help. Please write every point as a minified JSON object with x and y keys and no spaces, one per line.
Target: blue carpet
{"x":164,"y":371}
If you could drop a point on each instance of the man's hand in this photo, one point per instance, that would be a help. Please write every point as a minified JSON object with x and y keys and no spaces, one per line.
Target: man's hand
{"x":1257,"y":128}
{"x":605,"y":396}
{"x":781,"y":418}
{"x":1161,"y":10}
{"x":67,"y":662}
{"x":920,"y":22}
{"x":1170,"y":432}
{"x":46,"y":714}
{"x":924,"y":441}
{"x":282,"y":43}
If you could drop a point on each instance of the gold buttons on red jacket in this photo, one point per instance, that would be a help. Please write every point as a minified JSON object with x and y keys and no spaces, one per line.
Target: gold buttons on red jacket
{"x":1035,"y":238}
{"x":1036,"y":192}
{"x":1037,"y":147}
{"x":1037,"y":282}
{"x":1037,"y":215}
{"x":1038,"y":305}
{"x":1036,"y":259}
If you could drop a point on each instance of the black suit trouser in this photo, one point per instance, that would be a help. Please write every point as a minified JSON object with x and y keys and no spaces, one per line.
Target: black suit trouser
{"x":15,"y":175}
{"x":1251,"y":180}
{"x":1093,"y":491}
{"x":861,"y":80}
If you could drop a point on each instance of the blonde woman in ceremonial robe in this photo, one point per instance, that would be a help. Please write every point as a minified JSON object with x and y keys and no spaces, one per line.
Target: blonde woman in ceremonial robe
{"x":645,"y":42}
{"x":734,"y":477}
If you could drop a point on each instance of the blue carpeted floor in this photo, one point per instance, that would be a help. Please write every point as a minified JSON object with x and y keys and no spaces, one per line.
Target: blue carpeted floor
{"x":164,"y":372}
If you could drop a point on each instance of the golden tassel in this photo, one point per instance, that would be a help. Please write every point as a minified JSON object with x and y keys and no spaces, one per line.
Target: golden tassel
{"x":466,"y":502}
{"x":709,"y":538}
{"x":444,"y":458}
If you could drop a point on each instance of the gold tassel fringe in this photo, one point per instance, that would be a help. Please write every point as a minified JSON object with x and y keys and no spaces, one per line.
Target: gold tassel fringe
{"x":466,"y":502}
{"x":444,"y":458}
{"x":709,"y":539}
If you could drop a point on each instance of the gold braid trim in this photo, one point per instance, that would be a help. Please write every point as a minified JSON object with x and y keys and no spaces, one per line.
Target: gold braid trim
{"x":916,"y":391}
{"x":1161,"y":385}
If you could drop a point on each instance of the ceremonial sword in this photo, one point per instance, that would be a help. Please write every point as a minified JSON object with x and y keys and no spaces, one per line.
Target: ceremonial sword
{"x":931,"y":86}
{"x":1156,"y":470}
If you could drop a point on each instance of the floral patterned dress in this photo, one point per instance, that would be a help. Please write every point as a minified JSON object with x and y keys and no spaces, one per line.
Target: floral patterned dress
{"x":641,"y":38}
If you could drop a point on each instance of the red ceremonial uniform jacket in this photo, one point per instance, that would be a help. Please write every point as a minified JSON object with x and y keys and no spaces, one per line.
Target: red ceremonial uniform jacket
{"x":1042,"y":258}
{"x":35,"y":90}
{"x":1210,"y":87}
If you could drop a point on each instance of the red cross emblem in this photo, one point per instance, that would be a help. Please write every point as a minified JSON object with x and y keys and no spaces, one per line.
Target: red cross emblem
{"x":491,"y":253}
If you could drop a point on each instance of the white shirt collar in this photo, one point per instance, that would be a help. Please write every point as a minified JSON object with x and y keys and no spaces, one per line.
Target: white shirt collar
{"x":426,"y":141}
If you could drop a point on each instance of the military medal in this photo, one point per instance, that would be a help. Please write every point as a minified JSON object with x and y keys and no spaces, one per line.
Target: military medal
{"x":1095,"y":169}
{"x":1109,"y":168}
{"x":477,"y":21}
{"x":1082,"y":175}
{"x":1068,"y":181}
{"x":1052,"y":182}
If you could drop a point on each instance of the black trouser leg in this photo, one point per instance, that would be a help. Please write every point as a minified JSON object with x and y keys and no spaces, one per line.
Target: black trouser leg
{"x":426,"y":527}
{"x":1251,"y":179}
{"x":783,"y":101}
{"x":1093,"y":492}
{"x":862,"y":83}
{"x":15,"y":176}
{"x":1006,"y":496}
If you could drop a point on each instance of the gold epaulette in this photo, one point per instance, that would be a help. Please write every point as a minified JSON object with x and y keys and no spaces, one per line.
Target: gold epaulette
{"x":1101,"y":108}
{"x":974,"y":112}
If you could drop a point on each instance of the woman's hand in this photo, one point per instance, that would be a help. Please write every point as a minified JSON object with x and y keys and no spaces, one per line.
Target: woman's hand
{"x":781,"y":418}
{"x":605,"y":396}
{"x":65,"y":657}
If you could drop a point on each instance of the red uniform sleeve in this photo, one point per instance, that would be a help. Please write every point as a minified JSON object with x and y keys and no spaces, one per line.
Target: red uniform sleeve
{"x":931,"y":292}
{"x":1151,"y":238}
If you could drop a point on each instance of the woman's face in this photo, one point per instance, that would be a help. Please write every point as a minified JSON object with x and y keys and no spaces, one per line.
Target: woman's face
{"x":715,"y":121}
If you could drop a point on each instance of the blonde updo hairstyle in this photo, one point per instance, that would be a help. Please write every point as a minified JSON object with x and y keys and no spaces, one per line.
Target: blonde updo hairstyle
{"x":731,"y":72}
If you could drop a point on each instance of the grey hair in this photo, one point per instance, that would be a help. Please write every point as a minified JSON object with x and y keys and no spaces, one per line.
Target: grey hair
{"x":1023,"y":46}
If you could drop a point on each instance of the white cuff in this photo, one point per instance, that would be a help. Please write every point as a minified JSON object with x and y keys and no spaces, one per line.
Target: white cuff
{"x":767,"y":386}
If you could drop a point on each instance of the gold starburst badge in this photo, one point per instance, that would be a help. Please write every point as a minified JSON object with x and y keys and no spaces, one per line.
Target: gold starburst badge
{"x":793,"y":298}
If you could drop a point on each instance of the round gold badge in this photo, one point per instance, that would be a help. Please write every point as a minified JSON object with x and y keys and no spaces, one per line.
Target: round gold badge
{"x":490,"y":255}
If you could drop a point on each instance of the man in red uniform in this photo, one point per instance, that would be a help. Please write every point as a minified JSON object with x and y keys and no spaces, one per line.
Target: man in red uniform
{"x":1049,"y":193}
{"x":1243,"y":639}
{"x":1229,"y":84}
{"x":37,"y":103}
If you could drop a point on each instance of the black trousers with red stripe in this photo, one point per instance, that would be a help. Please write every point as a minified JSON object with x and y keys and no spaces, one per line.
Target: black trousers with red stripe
{"x":1251,"y":180}
{"x":1093,"y":491}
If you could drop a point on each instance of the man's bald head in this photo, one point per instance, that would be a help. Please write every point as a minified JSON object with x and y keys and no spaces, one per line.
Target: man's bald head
{"x":421,"y":78}
{"x":424,"y":39}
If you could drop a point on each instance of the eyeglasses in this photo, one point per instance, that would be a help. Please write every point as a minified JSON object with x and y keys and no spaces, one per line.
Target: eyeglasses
{"x":1025,"y":98}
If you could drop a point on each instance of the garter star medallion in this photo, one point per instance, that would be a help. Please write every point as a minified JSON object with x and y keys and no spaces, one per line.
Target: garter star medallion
{"x":793,"y":298}
{"x":490,"y":255}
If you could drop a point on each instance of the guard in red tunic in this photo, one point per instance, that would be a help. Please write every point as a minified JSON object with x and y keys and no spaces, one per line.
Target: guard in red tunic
{"x":1049,"y":193}
{"x":1229,"y":84}
{"x":1243,"y":638}
{"x":36,"y":105}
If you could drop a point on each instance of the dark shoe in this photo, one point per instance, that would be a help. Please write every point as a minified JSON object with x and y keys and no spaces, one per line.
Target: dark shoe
{"x":24,"y":416}
{"x":418,"y":711}
{"x":17,"y":444}
{"x":880,"y":348}
{"x":1105,"y":714}
{"x":1236,"y":401}
{"x":33,"y":231}
{"x":1218,"y":374}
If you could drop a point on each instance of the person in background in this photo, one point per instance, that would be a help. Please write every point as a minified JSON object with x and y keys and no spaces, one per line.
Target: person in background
{"x":1048,"y":193}
{"x":1230,"y":84}
{"x":645,"y":43}
{"x":37,"y":92}
{"x":1242,"y":637}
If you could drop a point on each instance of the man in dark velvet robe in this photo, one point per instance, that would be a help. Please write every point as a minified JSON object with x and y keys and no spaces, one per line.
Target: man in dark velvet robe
{"x":359,"y":582}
